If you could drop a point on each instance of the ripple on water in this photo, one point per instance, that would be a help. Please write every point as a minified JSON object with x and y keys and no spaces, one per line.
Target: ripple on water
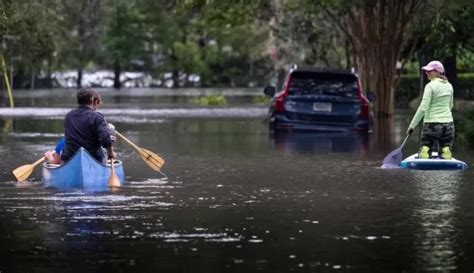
{"x":187,"y":237}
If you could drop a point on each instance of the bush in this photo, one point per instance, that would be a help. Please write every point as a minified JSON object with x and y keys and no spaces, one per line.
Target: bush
{"x":261,"y":100}
{"x":465,"y":128}
{"x":466,"y":85}
{"x":211,"y":100}
{"x":409,"y":88}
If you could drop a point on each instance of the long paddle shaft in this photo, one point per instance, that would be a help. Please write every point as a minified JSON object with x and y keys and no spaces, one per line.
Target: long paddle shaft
{"x":153,"y":160}
{"x":395,"y":157}
{"x":127,"y":140}
{"x":405,"y":141}
{"x":23,"y":172}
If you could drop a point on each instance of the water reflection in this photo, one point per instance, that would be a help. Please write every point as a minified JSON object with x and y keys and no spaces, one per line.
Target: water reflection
{"x":384,"y":133}
{"x":436,"y":241}
{"x":327,"y":142}
{"x":6,"y":125}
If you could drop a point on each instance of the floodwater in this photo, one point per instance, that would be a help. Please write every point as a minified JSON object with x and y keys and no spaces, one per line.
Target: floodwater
{"x":233,"y":198}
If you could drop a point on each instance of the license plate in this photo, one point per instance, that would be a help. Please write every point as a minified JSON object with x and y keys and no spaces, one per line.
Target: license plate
{"x":322,"y":106}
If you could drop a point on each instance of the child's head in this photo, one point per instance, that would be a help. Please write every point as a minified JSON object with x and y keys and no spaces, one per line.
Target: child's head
{"x":88,"y":96}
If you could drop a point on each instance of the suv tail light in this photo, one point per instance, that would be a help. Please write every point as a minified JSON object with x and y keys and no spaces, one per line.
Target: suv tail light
{"x":279,"y":102}
{"x":364,"y":111}
{"x":364,"y":103}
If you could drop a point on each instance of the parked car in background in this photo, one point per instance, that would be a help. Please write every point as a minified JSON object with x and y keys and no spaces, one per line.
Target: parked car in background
{"x":320,"y":100}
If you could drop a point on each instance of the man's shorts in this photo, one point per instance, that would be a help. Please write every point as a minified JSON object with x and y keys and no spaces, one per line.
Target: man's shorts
{"x":433,"y":132}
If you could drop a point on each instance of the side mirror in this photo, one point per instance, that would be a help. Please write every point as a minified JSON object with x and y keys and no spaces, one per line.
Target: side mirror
{"x":269,"y":91}
{"x":371,"y":96}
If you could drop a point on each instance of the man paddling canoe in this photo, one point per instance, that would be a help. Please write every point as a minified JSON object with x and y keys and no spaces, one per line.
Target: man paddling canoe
{"x":85,"y":127}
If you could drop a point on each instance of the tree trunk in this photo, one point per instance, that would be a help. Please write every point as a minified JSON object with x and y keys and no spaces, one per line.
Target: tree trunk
{"x":449,"y":64}
{"x":79,"y":78}
{"x":117,"y":72}
{"x":11,"y":76}
{"x":175,"y":77}
{"x":377,"y":34}
{"x":32,"y":82}
{"x":49,"y":80}
{"x":422,"y":60}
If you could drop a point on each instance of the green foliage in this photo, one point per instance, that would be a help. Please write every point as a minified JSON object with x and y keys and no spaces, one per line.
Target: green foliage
{"x":189,"y":58}
{"x":261,"y":100}
{"x":5,"y":9}
{"x":409,"y":88}
{"x":450,"y":28}
{"x":83,"y":25}
{"x":124,"y":36}
{"x":226,"y":43}
{"x":465,"y":128}
{"x":30,"y":31}
{"x":466,"y":84}
{"x":230,"y":41}
{"x":210,"y":100}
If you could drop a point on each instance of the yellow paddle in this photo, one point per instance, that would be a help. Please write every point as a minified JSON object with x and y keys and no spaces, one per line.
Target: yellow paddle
{"x":153,"y":160}
{"x":23,"y":172}
{"x":114,"y":181}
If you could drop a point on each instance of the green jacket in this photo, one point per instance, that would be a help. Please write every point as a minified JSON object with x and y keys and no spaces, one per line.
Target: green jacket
{"x":436,"y":103}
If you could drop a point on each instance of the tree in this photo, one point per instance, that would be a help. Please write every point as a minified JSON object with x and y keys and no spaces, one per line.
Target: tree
{"x":167,"y":26}
{"x":82,"y":28}
{"x":220,"y":41}
{"x":233,"y":39}
{"x":5,"y":10}
{"x":377,"y":31}
{"x":33,"y":28}
{"x":124,"y":38}
{"x":450,"y":34}
{"x":299,"y":32}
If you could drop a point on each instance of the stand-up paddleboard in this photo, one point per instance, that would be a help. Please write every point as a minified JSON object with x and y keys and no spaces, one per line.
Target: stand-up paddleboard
{"x":435,"y":163}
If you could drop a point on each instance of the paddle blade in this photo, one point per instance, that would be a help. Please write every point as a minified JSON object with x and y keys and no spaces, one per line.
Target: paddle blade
{"x":23,"y":172}
{"x":393,"y":159}
{"x":114,"y":181}
{"x":153,"y":160}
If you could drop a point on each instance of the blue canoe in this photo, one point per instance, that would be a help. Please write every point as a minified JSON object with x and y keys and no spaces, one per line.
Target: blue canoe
{"x":436,"y":163}
{"x":81,"y":171}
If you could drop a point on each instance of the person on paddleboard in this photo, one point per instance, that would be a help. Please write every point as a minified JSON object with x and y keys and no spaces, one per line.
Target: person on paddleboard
{"x":435,"y":111}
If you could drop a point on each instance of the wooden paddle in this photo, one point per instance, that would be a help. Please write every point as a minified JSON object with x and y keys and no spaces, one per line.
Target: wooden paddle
{"x":153,"y":160}
{"x":23,"y":172}
{"x":114,"y":181}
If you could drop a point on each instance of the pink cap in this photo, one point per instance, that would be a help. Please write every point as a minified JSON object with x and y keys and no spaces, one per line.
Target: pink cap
{"x":434,"y":65}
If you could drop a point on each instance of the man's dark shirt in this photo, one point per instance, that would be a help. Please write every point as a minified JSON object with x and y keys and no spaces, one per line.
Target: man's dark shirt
{"x":86,"y":128}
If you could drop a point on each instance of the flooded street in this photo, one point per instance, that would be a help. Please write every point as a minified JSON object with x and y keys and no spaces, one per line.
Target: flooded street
{"x":232,"y":196}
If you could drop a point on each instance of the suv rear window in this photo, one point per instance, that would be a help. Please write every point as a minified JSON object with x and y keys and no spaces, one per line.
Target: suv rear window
{"x":320,"y":83}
